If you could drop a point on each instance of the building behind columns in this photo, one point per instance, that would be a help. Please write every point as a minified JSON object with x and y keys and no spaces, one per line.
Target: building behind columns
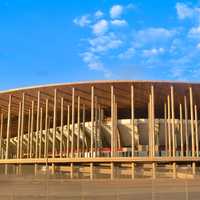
{"x":135,"y":128}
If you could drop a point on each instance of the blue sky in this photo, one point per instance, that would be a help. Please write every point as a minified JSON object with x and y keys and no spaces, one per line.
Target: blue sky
{"x":62,"y":41}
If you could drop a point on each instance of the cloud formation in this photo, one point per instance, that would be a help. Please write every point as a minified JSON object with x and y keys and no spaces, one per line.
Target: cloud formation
{"x":100,"y":27}
{"x":184,"y":11}
{"x":103,"y":39}
{"x":129,"y":53}
{"x":98,"y":14}
{"x":92,"y":60}
{"x":118,"y":22}
{"x":113,"y":39}
{"x":82,"y":21}
{"x":153,"y":52}
{"x":194,"y":32}
{"x":116,"y":11}
{"x":104,"y":43}
{"x":153,"y":34}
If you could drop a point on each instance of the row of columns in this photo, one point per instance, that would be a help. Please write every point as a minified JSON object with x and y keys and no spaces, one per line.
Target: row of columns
{"x":37,"y":141}
{"x":171,"y":136}
{"x":35,"y":138}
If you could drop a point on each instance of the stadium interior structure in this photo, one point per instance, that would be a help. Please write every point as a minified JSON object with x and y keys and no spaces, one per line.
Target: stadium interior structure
{"x":118,"y":128}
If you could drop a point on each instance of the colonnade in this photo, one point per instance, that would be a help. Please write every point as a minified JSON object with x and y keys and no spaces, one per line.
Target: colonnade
{"x":44,"y":134}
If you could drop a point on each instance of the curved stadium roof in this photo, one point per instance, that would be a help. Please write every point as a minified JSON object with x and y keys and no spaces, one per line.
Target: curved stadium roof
{"x":102,"y":90}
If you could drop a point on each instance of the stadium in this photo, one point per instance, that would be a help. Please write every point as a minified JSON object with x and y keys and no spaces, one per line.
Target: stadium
{"x":114,"y":128}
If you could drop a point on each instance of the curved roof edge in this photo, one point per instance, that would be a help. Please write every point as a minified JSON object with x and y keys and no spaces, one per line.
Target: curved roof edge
{"x":94,"y":82}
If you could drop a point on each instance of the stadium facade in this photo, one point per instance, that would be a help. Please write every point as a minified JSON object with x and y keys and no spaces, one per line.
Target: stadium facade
{"x":149,"y":128}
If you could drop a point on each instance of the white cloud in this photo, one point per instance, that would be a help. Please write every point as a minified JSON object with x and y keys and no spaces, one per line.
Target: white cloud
{"x":194,"y":32}
{"x":94,"y":63}
{"x":88,"y":56}
{"x":98,"y":14}
{"x":158,"y":32}
{"x":100,"y":27}
{"x":176,"y":45}
{"x":116,"y":11}
{"x":153,"y":52}
{"x":106,"y":44}
{"x":92,"y":60}
{"x":82,"y":21}
{"x":118,"y":22}
{"x":198,"y":46}
{"x":184,"y":11}
{"x":127,"y":54}
{"x":187,"y":12}
{"x":98,"y":47}
{"x":152,"y":35}
{"x":103,"y":43}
